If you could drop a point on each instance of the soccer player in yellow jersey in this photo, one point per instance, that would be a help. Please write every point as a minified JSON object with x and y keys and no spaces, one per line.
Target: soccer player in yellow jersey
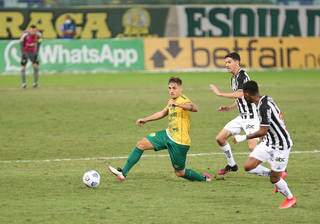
{"x":175,"y":138}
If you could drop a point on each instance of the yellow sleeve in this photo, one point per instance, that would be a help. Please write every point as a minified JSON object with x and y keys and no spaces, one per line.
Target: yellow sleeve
{"x":185,"y":99}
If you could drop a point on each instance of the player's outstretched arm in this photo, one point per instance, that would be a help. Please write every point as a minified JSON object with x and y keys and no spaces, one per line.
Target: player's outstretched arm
{"x":260,"y":133}
{"x":185,"y":106}
{"x":188,"y":106}
{"x":216,"y":90}
{"x":153,"y":117}
{"x":227,"y":108}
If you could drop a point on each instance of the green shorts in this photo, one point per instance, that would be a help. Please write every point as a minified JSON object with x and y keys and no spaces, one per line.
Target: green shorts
{"x":177,"y":152}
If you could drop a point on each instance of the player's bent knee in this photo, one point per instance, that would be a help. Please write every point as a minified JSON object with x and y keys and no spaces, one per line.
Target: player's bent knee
{"x":248,"y":166}
{"x":220,"y":140}
{"x":274,"y":180}
{"x":274,"y":177}
{"x":222,"y":137}
{"x":144,"y":144}
{"x":141,"y":145}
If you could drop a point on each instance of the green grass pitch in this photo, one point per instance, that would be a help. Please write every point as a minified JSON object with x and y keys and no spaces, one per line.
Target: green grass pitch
{"x":73,"y":117}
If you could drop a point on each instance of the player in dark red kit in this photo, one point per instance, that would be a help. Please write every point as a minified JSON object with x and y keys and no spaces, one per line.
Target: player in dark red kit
{"x":30,"y":43}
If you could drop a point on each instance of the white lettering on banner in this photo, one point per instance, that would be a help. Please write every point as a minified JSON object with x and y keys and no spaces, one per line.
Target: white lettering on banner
{"x":51,"y":54}
{"x":106,"y":54}
{"x":58,"y":54}
{"x":131,"y":57}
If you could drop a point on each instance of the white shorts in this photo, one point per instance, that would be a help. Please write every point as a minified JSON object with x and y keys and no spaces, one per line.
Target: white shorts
{"x":249,"y":126}
{"x":278,"y":159}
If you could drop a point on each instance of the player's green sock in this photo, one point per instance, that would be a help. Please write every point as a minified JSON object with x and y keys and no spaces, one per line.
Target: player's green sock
{"x":132,"y":160}
{"x":192,"y":175}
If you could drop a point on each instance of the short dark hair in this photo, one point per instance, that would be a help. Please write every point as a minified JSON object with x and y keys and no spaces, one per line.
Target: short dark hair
{"x":33,"y":26}
{"x":234,"y":55}
{"x":251,"y":87}
{"x":175,"y":80}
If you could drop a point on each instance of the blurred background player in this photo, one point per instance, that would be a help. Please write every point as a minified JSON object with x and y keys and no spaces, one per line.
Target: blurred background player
{"x":68,"y":28}
{"x":276,"y":144}
{"x":247,"y":120}
{"x":175,"y":138}
{"x":30,"y":44}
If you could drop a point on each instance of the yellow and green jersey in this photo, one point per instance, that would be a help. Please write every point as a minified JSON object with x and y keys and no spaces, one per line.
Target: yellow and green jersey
{"x":179,"y":122}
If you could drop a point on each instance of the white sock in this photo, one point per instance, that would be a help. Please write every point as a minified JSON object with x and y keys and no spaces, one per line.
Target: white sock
{"x":283,"y":188}
{"x":228,"y":153}
{"x":260,"y":171}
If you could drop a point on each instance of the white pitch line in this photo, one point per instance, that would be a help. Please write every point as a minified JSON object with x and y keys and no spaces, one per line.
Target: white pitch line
{"x":125,"y":157}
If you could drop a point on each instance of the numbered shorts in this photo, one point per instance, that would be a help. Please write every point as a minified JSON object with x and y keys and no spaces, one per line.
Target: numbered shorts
{"x":177,"y":152}
{"x":249,"y":126}
{"x":278,"y":159}
{"x":33,"y":57}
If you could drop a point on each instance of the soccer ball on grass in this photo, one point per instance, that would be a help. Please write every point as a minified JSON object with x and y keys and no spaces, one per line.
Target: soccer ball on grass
{"x":91,"y":178}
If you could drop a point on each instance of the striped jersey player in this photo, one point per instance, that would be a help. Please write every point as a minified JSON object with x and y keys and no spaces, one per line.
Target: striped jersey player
{"x":271,"y":117}
{"x":246,"y":121}
{"x":276,"y":144}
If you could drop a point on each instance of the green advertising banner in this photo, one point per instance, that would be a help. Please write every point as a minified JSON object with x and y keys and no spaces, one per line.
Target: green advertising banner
{"x":78,"y":55}
{"x":90,"y":23}
{"x":248,"y":21}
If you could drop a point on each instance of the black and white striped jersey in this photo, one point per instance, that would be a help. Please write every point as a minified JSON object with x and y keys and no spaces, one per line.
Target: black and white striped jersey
{"x":247,"y":110}
{"x":270,"y":115}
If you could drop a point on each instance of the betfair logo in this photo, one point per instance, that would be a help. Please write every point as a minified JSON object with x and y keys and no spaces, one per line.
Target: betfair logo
{"x":208,"y":53}
{"x":159,"y":57}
